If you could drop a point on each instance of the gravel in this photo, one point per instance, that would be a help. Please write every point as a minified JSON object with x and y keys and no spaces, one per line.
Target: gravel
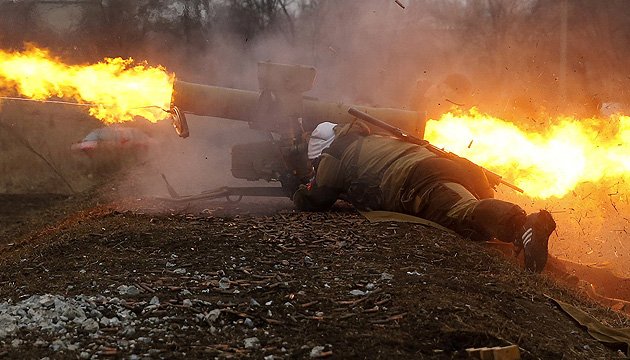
{"x":93,"y":325}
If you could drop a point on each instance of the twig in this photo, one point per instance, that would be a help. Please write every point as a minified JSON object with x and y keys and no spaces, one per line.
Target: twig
{"x":28,"y":146}
{"x":309,"y":304}
{"x":145,"y":287}
{"x":389,"y":319}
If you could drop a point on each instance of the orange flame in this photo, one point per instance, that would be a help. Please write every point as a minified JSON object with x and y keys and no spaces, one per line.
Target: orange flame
{"x":545,"y":164}
{"x":117,"y":89}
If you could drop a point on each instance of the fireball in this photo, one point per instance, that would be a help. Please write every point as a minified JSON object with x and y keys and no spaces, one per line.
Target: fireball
{"x":115,"y":89}
{"x":545,"y":163}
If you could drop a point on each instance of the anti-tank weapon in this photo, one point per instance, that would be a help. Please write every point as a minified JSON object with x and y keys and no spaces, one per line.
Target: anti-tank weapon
{"x":282,"y":112}
{"x":493,"y":178}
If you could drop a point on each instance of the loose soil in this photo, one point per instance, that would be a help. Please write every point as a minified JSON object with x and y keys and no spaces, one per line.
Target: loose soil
{"x":294,"y":280}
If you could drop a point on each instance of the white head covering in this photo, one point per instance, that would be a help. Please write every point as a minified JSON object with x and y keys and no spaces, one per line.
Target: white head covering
{"x":321,"y":138}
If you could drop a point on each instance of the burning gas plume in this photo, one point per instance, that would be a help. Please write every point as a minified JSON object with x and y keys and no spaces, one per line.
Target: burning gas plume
{"x":547,"y":163}
{"x":116,"y":89}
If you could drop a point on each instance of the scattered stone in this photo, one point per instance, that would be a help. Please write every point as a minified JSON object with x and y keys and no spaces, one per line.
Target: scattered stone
{"x":154,"y":301}
{"x":224,"y":283}
{"x":128,"y":290}
{"x":357,"y":293}
{"x":253,"y":302}
{"x":369,"y":286}
{"x":249,"y":323}
{"x":214,"y":315}
{"x":129,"y":331}
{"x":58,"y":345}
{"x":90,"y":325}
{"x":187,"y":303}
{"x":40,"y":342}
{"x":252,"y":343}
{"x":180,"y":271}
{"x":386,"y":277}
{"x":317,"y":351}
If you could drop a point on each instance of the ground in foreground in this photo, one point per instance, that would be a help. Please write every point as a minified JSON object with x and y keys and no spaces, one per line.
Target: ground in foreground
{"x":264,"y":281}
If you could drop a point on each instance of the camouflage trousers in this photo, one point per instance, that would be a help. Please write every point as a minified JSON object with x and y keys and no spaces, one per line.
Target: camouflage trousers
{"x":451,"y":205}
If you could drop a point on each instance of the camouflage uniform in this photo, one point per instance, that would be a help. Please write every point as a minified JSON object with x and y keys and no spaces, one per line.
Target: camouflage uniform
{"x":380,"y":172}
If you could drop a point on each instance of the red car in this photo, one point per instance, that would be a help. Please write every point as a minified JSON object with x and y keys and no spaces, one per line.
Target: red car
{"x":113,"y":139}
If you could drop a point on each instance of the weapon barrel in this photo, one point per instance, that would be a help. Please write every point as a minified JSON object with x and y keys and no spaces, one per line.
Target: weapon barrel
{"x":399,"y":133}
{"x":241,"y":105}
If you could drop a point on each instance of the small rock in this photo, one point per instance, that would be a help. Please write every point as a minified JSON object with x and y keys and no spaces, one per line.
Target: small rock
{"x":129,"y":331}
{"x":224,"y":283}
{"x":187,"y":303}
{"x":114,"y":321}
{"x":40,"y":342}
{"x":369,"y":286}
{"x":90,"y":325}
{"x":214,"y":315}
{"x":252,"y":343}
{"x":317,"y":351}
{"x":104,"y":321}
{"x":249,"y":323}
{"x":16,"y":343}
{"x":385,"y":276}
{"x":128,"y":290}
{"x":180,"y":271}
{"x":253,"y":302}
{"x":84,"y":355}
{"x":58,"y":345}
{"x":154,"y":301}
{"x":357,"y":292}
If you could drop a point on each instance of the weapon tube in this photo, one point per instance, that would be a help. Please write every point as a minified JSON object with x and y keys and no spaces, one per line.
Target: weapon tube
{"x":493,"y":177}
{"x":243,"y":105}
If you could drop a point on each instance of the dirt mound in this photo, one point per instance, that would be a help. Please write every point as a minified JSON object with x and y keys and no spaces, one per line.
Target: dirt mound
{"x":252,"y":280}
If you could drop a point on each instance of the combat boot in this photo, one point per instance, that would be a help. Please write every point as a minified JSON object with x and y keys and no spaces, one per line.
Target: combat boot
{"x":534,"y":240}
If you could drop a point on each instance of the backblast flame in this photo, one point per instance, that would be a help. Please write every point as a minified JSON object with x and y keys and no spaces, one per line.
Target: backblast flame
{"x":547,"y":163}
{"x":117,"y":89}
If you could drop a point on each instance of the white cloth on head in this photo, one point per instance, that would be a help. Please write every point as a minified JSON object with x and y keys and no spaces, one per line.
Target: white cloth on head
{"x":321,"y":138}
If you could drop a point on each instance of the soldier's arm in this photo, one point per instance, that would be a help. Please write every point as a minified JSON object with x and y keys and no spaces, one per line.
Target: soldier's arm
{"x":314,"y":198}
